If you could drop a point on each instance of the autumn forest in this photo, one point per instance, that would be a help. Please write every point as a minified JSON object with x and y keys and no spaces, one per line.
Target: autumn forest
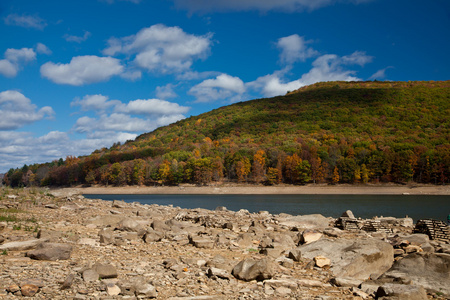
{"x":331,"y":132}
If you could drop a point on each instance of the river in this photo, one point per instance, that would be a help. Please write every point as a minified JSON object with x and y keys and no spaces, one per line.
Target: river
{"x":364,"y":206}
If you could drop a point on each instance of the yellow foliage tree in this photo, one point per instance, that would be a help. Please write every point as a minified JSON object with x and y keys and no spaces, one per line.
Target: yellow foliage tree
{"x":335,"y":178}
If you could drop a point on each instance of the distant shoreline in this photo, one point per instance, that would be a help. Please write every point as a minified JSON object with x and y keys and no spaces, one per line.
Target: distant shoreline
{"x":247,"y":189}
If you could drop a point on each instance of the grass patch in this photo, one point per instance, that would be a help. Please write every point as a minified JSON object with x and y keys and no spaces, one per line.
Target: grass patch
{"x":8,"y":218}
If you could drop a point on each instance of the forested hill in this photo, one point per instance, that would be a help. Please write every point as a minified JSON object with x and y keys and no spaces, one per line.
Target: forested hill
{"x":336,"y":132}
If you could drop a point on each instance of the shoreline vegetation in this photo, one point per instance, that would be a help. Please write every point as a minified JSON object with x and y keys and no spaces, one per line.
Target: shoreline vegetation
{"x":247,"y":189}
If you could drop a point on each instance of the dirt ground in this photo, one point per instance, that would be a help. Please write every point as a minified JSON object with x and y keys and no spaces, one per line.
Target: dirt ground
{"x":247,"y":189}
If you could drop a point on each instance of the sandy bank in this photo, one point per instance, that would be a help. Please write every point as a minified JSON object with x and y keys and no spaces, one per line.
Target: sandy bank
{"x":259,"y":189}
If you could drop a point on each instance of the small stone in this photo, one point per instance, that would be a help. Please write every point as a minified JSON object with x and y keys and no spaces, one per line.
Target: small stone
{"x":68,"y":282}
{"x":90,"y":275}
{"x":112,"y":289}
{"x":348,"y":214}
{"x":146,"y":290}
{"x":310,"y":236}
{"x":218,"y":273}
{"x":322,"y":261}
{"x":13,"y":288}
{"x":105,"y":270}
{"x":295,"y":254}
{"x":29,"y":290}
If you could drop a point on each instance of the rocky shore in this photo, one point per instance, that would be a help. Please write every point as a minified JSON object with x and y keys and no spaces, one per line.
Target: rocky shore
{"x":69,"y":247}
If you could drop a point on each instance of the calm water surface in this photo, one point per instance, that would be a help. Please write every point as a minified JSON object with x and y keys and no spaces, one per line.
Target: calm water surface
{"x":364,"y":206}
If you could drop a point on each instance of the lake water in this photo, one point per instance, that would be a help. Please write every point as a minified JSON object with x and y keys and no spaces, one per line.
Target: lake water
{"x":364,"y":206}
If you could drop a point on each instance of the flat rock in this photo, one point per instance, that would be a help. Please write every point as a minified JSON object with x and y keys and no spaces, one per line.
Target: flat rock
{"x":359,"y":259}
{"x":429,"y":270}
{"x":400,"y":291}
{"x":314,"y":221}
{"x":277,"y":283}
{"x":90,"y":275}
{"x":218,"y":273}
{"x":51,"y":251}
{"x":105,"y":270}
{"x":22,"y":245}
{"x":310,"y":236}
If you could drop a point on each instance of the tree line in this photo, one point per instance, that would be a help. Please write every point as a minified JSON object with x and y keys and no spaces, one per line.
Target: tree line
{"x":212,"y":161}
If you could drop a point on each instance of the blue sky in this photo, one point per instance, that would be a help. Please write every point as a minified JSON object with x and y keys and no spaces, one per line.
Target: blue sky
{"x":76,"y":76}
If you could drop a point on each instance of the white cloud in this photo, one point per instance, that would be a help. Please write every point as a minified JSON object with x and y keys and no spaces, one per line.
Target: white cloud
{"x":77,"y":39}
{"x":115,"y":122}
{"x":14,"y":58}
{"x":97,"y":103}
{"x":273,"y":84}
{"x":223,"y":86}
{"x":380,"y":74}
{"x":82,"y":70}
{"x":357,"y":58}
{"x":161,"y":49}
{"x":131,"y":74}
{"x":126,"y":118}
{"x":151,"y":107}
{"x":166,"y":91}
{"x":25,"y":21}
{"x":19,"y":55}
{"x":7,"y":68}
{"x":194,"y":75}
{"x":16,"y":110}
{"x":294,"y":48}
{"x":42,"y":49}
{"x":329,"y":67}
{"x":19,"y":148}
{"x":289,"y":6}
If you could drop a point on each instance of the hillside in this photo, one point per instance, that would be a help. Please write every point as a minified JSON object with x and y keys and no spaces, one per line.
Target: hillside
{"x":336,"y":132}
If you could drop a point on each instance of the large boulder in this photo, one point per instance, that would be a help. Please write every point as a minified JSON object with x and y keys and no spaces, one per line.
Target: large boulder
{"x":401,"y":291}
{"x":315,"y":221}
{"x":358,"y":259}
{"x":128,"y":224}
{"x":249,"y":269}
{"x":429,"y":270}
{"x":51,"y":251}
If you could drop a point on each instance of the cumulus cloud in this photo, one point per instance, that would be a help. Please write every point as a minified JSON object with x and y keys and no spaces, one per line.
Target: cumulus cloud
{"x":134,"y":117}
{"x":7,"y":68}
{"x":82,"y":70}
{"x":77,"y":39}
{"x":97,"y":103}
{"x":274,"y":84}
{"x":329,"y":67}
{"x":16,"y":111}
{"x":289,"y":6}
{"x":25,"y":21}
{"x":161,"y":48}
{"x":294,"y":48}
{"x":223,"y":86}
{"x":166,"y":91}
{"x":14,"y":59}
{"x":19,"y":55}
{"x":19,"y":148}
{"x":151,"y":107}
{"x":42,"y":49}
